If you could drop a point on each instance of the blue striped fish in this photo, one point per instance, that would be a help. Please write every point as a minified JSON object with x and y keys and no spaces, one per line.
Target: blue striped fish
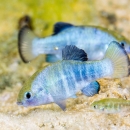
{"x":63,"y":79}
{"x":93,"y":40}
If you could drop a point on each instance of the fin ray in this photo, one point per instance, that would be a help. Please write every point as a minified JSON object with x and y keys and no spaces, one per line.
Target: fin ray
{"x":25,"y":38}
{"x":119,"y":58}
{"x":71,"y":52}
{"x":91,"y":89}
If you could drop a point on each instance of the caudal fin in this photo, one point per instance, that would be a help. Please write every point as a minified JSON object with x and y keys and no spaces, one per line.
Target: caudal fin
{"x":26,"y":20}
{"x":25,"y":38}
{"x":120,"y":60}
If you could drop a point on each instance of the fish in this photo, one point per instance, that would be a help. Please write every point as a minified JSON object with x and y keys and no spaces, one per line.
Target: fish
{"x":111,"y":105}
{"x":92,"y":39}
{"x":63,"y":79}
{"x":25,"y":20}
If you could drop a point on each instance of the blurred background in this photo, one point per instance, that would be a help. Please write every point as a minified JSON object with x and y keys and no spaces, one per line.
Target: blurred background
{"x":111,"y":14}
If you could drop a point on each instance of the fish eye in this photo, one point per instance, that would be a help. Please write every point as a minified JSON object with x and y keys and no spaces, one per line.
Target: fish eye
{"x":28,"y":95}
{"x":122,"y":43}
{"x":95,"y":106}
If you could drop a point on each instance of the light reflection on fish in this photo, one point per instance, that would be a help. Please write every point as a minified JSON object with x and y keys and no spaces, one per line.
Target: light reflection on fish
{"x":94,"y":40}
{"x":63,"y":79}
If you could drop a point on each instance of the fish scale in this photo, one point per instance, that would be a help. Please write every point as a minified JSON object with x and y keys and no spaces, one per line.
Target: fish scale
{"x":71,"y":82}
{"x":67,"y":72}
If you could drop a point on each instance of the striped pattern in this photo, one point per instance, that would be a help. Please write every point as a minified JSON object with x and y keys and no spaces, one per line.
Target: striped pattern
{"x":111,"y":105}
{"x":67,"y":78}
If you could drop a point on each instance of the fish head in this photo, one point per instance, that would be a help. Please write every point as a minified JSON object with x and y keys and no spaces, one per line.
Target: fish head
{"x":30,"y":97}
{"x":98,"y":106}
{"x":126,"y":44}
{"x":25,"y":96}
{"x":123,"y":41}
{"x":34,"y":93}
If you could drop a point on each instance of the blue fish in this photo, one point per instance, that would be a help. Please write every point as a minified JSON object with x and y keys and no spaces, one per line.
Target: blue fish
{"x":94,"y":40}
{"x":63,"y":79}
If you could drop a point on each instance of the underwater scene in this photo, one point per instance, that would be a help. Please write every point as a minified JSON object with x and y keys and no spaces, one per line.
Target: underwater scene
{"x":64,"y":65}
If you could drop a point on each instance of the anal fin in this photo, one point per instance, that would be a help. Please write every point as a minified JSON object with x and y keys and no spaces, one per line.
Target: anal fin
{"x":52,"y":58}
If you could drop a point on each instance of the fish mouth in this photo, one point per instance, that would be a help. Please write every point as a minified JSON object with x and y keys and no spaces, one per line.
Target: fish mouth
{"x":19,"y":103}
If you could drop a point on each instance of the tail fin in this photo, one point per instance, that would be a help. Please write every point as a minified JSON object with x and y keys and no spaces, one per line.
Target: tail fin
{"x":120,"y":60}
{"x":25,"y":38}
{"x":26,"y":20}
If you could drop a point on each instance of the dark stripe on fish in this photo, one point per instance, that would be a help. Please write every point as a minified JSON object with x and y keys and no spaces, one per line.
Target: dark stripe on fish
{"x":77,"y":72}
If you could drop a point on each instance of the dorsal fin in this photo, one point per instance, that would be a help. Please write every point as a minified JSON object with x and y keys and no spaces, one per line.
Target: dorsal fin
{"x":71,"y":52}
{"x":61,"y":26}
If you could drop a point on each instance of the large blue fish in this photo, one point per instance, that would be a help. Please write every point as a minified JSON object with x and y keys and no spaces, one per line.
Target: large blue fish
{"x":94,"y":40}
{"x":63,"y":79}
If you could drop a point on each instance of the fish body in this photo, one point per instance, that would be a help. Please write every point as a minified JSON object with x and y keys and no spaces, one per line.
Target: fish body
{"x":63,"y":79}
{"x":111,"y":105}
{"x":93,"y":40}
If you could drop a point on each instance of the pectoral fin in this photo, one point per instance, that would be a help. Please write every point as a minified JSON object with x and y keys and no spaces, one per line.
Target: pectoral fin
{"x":91,"y":89}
